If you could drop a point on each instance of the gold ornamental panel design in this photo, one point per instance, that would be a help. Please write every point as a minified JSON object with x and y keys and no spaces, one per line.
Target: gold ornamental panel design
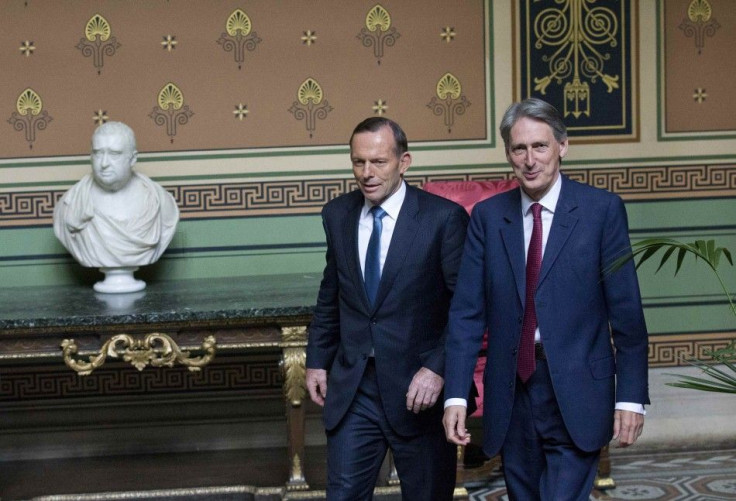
{"x":29,"y":115}
{"x":156,"y":350}
{"x":378,"y":32}
{"x":98,"y":41}
{"x":170,"y":111}
{"x":309,"y":105}
{"x":699,"y":23}
{"x":238,"y":36}
{"x":449,"y":101}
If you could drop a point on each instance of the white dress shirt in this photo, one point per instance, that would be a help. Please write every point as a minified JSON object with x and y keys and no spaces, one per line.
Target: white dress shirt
{"x":392,"y":206}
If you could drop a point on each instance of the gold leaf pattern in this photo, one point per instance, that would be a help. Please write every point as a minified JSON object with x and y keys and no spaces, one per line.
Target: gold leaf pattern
{"x":97,"y":25}
{"x":378,"y":17}
{"x":699,"y":11}
{"x":238,"y":22}
{"x":448,"y":85}
{"x":170,"y":95}
{"x":29,"y":101}
{"x":310,"y":90}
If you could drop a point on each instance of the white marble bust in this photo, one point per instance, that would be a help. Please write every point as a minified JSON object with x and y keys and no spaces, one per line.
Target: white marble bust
{"x":115,"y":217}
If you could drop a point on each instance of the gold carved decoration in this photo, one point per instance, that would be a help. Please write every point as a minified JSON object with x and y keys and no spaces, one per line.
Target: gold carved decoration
{"x":98,"y":41}
{"x":294,"y":368}
{"x":309,"y":106}
{"x":449,"y":101}
{"x":576,"y":30}
{"x":29,"y":115}
{"x":293,"y":363}
{"x":238,"y":37}
{"x":171,"y":110}
{"x":378,"y":31}
{"x":699,"y":22}
{"x":297,"y":482}
{"x":156,"y":350}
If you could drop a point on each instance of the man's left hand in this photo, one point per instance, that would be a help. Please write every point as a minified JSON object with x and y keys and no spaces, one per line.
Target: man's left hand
{"x":424,"y":390}
{"x":627,"y":426}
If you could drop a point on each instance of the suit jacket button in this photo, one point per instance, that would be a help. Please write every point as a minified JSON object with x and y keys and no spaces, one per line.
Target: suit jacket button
{"x":514,"y":351}
{"x":511,"y":384}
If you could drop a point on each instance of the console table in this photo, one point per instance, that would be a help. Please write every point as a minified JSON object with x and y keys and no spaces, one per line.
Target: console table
{"x":184,"y":327}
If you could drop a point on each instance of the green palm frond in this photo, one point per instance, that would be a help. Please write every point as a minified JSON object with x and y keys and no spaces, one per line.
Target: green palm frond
{"x":719,"y":375}
{"x":703,"y":250}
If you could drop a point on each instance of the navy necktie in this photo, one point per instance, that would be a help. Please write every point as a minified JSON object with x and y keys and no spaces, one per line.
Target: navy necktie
{"x":373,"y":255}
{"x":527,"y":363}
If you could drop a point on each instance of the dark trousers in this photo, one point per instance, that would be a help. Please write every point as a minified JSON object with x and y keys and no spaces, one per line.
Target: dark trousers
{"x":357,"y":446}
{"x":540,"y":460}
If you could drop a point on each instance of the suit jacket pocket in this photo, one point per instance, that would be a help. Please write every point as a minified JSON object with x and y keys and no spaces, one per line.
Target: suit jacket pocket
{"x":603,"y":368}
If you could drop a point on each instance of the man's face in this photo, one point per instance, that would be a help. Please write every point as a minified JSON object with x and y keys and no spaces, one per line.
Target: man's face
{"x":113,"y":158}
{"x":535,"y":155}
{"x":376,"y":166}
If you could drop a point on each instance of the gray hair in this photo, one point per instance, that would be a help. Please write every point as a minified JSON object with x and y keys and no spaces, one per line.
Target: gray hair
{"x":538,"y":110}
{"x":117,"y":128}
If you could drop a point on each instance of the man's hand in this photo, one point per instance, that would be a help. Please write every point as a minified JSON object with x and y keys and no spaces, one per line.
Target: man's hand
{"x":424,"y":390}
{"x":317,"y":385}
{"x":627,"y":426}
{"x":454,"y":423}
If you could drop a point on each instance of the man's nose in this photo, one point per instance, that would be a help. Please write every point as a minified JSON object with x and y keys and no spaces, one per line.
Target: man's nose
{"x":529,"y":157}
{"x":367,"y":170}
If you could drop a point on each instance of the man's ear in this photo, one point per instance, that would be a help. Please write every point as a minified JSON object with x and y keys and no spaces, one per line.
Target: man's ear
{"x":404,"y":162}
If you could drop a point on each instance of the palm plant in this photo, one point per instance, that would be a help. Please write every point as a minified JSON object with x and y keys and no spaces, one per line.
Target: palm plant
{"x":720,"y":373}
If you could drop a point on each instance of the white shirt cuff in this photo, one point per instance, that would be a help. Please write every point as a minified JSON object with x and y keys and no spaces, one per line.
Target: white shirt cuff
{"x":628,"y":406}
{"x":456,"y":401}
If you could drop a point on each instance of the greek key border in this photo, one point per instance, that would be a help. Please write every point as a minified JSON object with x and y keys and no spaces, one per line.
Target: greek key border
{"x":298,"y":197}
{"x":673,"y":350}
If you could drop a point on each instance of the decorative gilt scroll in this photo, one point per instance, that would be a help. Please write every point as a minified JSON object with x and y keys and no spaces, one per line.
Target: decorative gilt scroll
{"x":579,"y":55}
{"x":156,"y":350}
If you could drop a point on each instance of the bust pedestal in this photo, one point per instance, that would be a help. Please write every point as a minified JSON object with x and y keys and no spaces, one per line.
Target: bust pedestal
{"x":119,"y":280}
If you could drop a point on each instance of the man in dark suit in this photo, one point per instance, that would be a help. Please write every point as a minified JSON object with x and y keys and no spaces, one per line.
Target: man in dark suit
{"x":556,"y":390}
{"x":376,"y":355}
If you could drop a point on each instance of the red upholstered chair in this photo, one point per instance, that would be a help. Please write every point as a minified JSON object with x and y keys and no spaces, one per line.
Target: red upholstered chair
{"x":467,"y":194}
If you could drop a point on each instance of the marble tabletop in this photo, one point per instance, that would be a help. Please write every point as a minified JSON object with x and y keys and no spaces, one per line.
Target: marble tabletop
{"x":161,"y":302}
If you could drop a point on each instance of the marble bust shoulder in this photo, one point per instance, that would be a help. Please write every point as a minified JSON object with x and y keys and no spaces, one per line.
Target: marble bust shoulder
{"x":115,"y":216}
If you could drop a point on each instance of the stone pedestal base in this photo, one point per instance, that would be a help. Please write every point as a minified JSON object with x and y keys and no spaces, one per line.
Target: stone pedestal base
{"x":119,"y":280}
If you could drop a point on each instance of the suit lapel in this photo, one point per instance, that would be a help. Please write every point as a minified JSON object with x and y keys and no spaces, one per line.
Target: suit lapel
{"x":350,"y":236}
{"x":405,"y":231}
{"x":512,"y":235}
{"x":562,"y":226}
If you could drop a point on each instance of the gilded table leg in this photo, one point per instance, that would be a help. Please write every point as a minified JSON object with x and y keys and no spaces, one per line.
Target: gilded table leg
{"x":294,"y":340}
{"x":603,"y":479}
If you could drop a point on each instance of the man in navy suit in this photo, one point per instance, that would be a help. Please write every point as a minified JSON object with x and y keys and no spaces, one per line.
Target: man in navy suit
{"x":376,"y":350}
{"x":550,"y":403}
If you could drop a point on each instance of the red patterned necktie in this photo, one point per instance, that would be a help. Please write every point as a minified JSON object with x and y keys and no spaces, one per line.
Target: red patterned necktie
{"x":526,"y":363}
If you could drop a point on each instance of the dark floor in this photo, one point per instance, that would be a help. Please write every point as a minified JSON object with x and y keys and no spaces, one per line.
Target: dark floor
{"x":663,"y":476}
{"x":213,"y":476}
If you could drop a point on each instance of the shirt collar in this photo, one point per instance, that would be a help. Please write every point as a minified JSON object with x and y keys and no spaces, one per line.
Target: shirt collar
{"x":548,"y":201}
{"x":392,"y":205}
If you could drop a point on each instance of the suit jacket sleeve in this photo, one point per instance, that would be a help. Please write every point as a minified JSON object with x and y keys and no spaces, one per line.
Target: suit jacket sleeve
{"x":451,"y":255}
{"x":626,"y":318}
{"x":324,"y":330}
{"x":467,"y":319}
